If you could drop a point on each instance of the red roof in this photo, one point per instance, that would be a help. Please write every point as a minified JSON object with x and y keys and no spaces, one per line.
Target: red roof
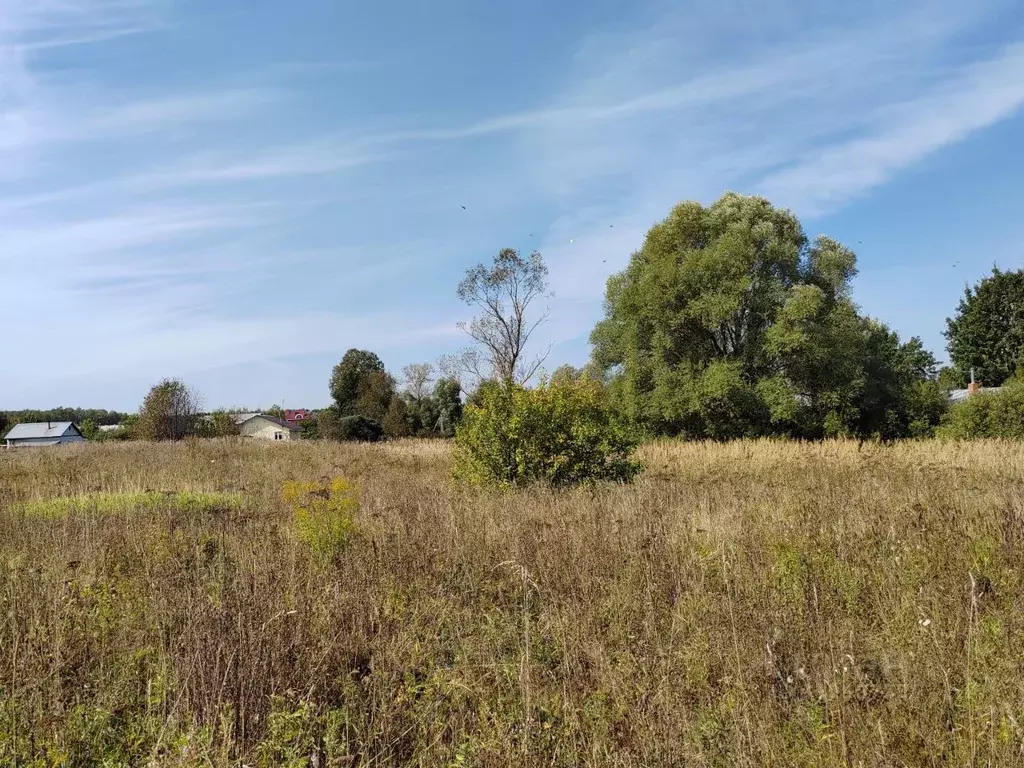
{"x":297,"y":415}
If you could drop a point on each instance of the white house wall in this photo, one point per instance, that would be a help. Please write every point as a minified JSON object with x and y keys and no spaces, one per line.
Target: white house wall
{"x":265,"y":430}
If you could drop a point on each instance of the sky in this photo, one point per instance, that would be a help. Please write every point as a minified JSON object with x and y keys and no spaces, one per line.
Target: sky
{"x":236,"y":192}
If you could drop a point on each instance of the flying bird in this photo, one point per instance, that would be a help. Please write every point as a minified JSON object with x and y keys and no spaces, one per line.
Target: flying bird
{"x":463,"y":207}
{"x":572,"y":240}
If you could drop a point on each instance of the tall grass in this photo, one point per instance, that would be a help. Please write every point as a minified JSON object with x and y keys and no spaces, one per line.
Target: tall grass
{"x":754,"y":603}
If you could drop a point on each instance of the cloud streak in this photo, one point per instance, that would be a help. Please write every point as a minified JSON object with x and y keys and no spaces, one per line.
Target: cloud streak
{"x":983,"y":95}
{"x":243,"y":216}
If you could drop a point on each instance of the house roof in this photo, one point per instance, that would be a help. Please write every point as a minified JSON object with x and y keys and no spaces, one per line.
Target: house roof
{"x":957,"y":395}
{"x":40,"y":431}
{"x":241,"y":418}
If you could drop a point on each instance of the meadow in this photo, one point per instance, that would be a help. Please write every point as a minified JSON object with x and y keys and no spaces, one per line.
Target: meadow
{"x":227,"y":603}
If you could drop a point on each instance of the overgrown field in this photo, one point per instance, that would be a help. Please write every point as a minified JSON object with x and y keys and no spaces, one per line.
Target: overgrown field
{"x":759,"y":603}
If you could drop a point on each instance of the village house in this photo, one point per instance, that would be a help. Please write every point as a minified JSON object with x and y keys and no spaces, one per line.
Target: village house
{"x":44,"y":433}
{"x":974,"y":388}
{"x":296,"y":416}
{"x":264,"y":427}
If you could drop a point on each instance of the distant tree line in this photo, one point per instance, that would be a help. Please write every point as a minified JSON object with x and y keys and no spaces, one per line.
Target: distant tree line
{"x":728,"y":322}
{"x":369,"y":404}
{"x":98,"y":416}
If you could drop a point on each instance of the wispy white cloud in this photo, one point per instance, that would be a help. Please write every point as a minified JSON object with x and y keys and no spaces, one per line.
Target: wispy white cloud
{"x":983,"y":94}
{"x":173,"y":226}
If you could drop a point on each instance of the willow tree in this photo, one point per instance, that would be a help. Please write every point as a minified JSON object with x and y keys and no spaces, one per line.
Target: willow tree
{"x":729,"y":321}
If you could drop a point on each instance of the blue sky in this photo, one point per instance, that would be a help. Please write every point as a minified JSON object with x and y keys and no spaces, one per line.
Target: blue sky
{"x":236,"y":192}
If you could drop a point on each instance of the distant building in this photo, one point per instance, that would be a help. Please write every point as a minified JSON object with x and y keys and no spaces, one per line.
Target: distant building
{"x":264,"y":427}
{"x":32,"y":435}
{"x":974,"y":388}
{"x":110,"y":427}
{"x":296,"y":416}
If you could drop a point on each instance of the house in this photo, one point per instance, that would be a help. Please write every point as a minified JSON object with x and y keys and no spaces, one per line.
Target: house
{"x":974,"y":388}
{"x":296,"y":416}
{"x":31,"y":435}
{"x":264,"y":427}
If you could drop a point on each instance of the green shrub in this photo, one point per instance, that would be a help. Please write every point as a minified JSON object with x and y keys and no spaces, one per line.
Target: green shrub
{"x":987,"y":414}
{"x":324,"y":515}
{"x":560,"y":433}
{"x":359,"y":428}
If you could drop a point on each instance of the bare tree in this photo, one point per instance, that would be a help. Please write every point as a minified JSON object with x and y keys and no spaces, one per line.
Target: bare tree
{"x":417,"y":378}
{"x":504,"y":293}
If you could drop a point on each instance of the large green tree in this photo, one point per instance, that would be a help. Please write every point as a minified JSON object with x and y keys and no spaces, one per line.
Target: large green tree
{"x":361,"y":386}
{"x":729,"y":322}
{"x":987,"y":333}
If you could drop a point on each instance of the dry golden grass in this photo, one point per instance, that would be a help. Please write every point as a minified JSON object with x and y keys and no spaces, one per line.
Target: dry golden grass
{"x":755,"y":603}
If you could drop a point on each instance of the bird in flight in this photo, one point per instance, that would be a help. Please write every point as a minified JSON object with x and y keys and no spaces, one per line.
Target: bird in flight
{"x":463,"y":207}
{"x":572,"y":240}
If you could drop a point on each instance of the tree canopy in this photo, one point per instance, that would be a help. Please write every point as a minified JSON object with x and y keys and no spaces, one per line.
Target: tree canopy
{"x":729,"y":322}
{"x":171,"y":411}
{"x":987,"y":332}
{"x":361,"y":386}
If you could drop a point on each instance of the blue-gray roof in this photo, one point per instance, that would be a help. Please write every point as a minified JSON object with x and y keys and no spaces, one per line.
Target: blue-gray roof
{"x":39,"y":431}
{"x":959,"y":395}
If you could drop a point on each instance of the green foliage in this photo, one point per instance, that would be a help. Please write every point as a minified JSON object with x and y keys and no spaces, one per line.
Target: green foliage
{"x":987,"y":333}
{"x":223,"y":424}
{"x":987,"y":414}
{"x":169,"y":412}
{"x":323,"y":515}
{"x":560,"y":433}
{"x":119,"y":503}
{"x":926,"y":404}
{"x":447,"y":400}
{"x":431,"y":414}
{"x":220,"y":423}
{"x":99,"y":416}
{"x":129,"y":427}
{"x":358,"y":428}
{"x":375,"y":395}
{"x":88,"y":429}
{"x":397,"y":421}
{"x":730,"y":323}
{"x":351,"y":378}
{"x":309,"y":429}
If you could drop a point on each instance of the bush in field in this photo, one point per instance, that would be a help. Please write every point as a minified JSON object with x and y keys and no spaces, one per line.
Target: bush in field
{"x":560,"y":433}
{"x":220,"y":424}
{"x":987,"y":414}
{"x":169,"y":412}
{"x":323,"y":515}
{"x":359,"y":428}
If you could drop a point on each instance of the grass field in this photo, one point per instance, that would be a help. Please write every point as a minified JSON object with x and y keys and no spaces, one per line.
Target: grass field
{"x":221,"y":602}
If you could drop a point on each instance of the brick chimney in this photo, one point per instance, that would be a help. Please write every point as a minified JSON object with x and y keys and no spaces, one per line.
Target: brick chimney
{"x":974,"y":386}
